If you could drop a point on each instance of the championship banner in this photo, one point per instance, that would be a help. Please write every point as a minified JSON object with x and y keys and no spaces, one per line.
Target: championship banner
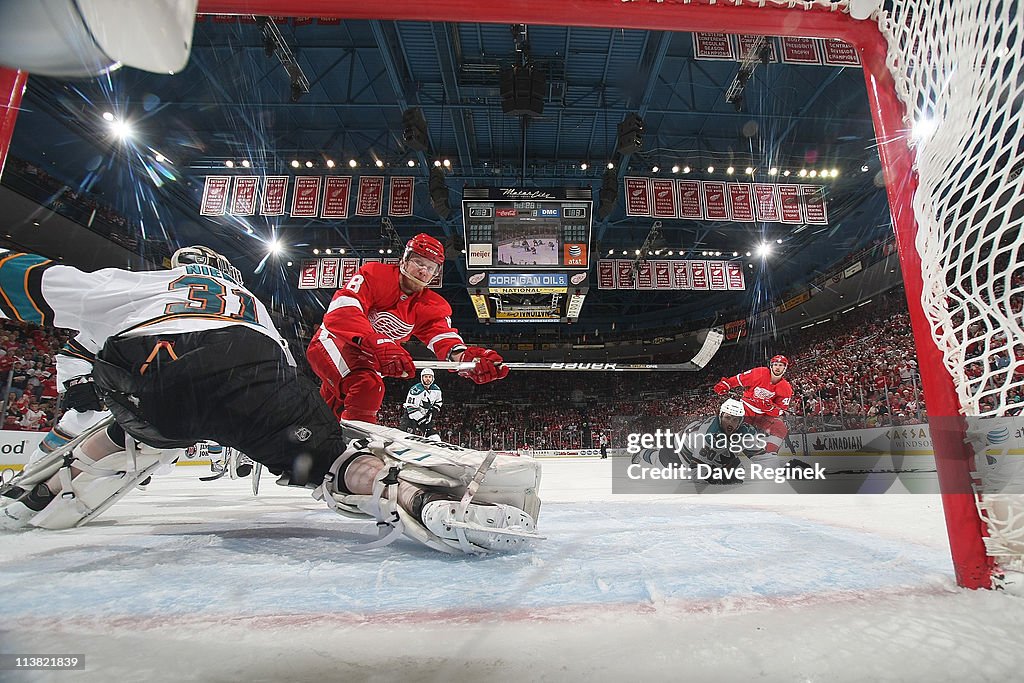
{"x":689,"y":199}
{"x":349,"y":267}
{"x":625,"y":278}
{"x":328,"y":273}
{"x":734,"y":276}
{"x":746,"y":43}
{"x":306,"y":196}
{"x":716,"y":275}
{"x":789,"y":199}
{"x":664,"y":198}
{"x":699,"y":274}
{"x":336,"y":194}
{"x":814,"y":203}
{"x":800,"y":51}
{"x":390,"y":261}
{"x":275,"y":187}
{"x":215,"y":195}
{"x":638,"y":196}
{"x":309,"y":270}
{"x":606,"y":274}
{"x":839,"y":53}
{"x":712,"y":46}
{"x":645,"y":276}
{"x":662,"y":275}
{"x":371,"y":195}
{"x":243,"y":200}
{"x":400,"y":196}
{"x":681,"y":275}
{"x":714,"y":201}
{"x":741,"y":202}
{"x":766,"y":202}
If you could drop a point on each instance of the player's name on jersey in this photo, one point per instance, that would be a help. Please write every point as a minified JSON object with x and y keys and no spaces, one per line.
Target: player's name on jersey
{"x":726,"y":474}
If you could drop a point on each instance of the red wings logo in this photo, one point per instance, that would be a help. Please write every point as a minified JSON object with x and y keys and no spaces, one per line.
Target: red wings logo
{"x":389,"y":325}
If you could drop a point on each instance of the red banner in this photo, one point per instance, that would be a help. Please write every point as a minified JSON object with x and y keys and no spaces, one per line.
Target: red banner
{"x":215,"y":195}
{"x":716,"y":275}
{"x":714,"y":201}
{"x":309,"y":271}
{"x":689,"y":199}
{"x":766,"y":202}
{"x":638,"y":196}
{"x":734,"y":276}
{"x":243,"y":201}
{"x":814,"y":203}
{"x":839,"y":53}
{"x":606,"y":274}
{"x":275,"y":187}
{"x":741,"y":202}
{"x":400,"y":197}
{"x":699,"y":274}
{"x":370,"y":198}
{"x":349,"y":267}
{"x":681,"y":275}
{"x":712,"y":46}
{"x":645,"y":276}
{"x":664,"y":198}
{"x":328,"y":273}
{"x":789,"y":199}
{"x":662,"y":275}
{"x":747,"y":42}
{"x":306,"y":196}
{"x":800,"y":51}
{"x":336,"y":194}
{"x":625,"y":278}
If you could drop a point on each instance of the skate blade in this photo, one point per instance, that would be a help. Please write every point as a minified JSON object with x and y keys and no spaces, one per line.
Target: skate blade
{"x":496,"y":531}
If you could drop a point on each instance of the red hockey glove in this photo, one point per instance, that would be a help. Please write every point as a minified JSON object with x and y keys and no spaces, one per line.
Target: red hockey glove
{"x":391,"y":359}
{"x":487,"y":368}
{"x":722,"y":387}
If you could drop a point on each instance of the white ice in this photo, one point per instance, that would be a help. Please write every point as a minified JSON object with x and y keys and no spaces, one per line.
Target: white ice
{"x":200,"y":581}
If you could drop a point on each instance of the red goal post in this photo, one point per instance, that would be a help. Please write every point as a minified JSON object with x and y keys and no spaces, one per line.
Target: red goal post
{"x":912,"y":59}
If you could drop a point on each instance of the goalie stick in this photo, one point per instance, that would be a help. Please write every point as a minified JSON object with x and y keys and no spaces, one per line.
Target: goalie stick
{"x":711,"y":344}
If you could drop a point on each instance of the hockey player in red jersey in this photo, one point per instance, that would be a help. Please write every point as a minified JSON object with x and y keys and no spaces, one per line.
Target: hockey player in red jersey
{"x":360,"y":340}
{"x":766,"y":395}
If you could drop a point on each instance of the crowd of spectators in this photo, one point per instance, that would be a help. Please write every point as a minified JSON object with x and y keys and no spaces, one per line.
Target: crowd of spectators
{"x":29,"y":376}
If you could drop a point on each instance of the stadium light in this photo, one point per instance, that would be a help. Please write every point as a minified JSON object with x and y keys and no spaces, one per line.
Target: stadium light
{"x":686,"y":169}
{"x":764,"y":249}
{"x":274,"y":247}
{"x":229,"y":163}
{"x":711,"y":169}
{"x":121,"y":129}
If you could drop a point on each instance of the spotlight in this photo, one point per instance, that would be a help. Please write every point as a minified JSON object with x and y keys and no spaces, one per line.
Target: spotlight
{"x":749,"y":170}
{"x":229,"y":163}
{"x":330,"y":163}
{"x":295,"y":163}
{"x":675,"y":169}
{"x":107,"y":116}
{"x":380,"y":163}
{"x":773,"y":171}
{"x":813,"y":173}
{"x":352,"y":163}
{"x":730,"y":170}
{"x":316,"y":252}
{"x":835,"y":173}
{"x":864,"y":168}
{"x":446,"y":163}
{"x":121,"y":129}
{"x":786,"y":173}
{"x":341,"y":251}
{"x":711,"y":169}
{"x":309,"y":164}
{"x":437,"y":163}
{"x":611,"y":165}
{"x":412,"y":162}
{"x":655,"y":169}
{"x":274,"y":247}
{"x":380,"y":251}
{"x":327,"y":251}
{"x":802,"y":173}
{"x":686,"y":169}
{"x":778,"y":241}
{"x":764,"y":249}
{"x":583,"y":166}
{"x":245,"y":163}
{"x":159,"y":158}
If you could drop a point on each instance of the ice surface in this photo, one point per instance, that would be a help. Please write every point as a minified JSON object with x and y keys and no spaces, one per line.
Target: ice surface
{"x":193,"y":580}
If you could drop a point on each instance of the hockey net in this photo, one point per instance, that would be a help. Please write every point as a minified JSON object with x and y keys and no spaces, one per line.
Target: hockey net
{"x":945,"y":81}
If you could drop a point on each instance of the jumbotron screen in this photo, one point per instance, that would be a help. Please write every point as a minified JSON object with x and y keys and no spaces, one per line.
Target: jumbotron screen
{"x":516,"y":229}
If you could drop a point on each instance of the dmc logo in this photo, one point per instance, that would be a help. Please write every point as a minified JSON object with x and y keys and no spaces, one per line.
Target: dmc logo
{"x":475,"y":279}
{"x":578,"y":278}
{"x":998,"y":435}
{"x":303,"y":434}
{"x":575,"y":250}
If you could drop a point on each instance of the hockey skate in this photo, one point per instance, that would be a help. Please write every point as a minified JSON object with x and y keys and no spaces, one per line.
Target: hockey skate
{"x":487,"y":527}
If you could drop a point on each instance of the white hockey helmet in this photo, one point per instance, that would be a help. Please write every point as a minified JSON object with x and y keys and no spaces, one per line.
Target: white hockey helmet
{"x":732,"y":407}
{"x":204,"y":256}
{"x":426,"y":372}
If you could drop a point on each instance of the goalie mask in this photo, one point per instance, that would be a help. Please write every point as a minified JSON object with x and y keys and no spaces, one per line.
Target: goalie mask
{"x":422,"y":260}
{"x":204,"y":256}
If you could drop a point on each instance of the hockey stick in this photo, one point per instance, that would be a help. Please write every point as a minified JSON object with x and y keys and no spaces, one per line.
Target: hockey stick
{"x":215,"y":477}
{"x":711,"y":344}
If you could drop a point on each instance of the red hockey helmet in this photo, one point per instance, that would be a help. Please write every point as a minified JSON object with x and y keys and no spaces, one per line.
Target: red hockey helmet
{"x":779,"y":359}
{"x":427,"y":247}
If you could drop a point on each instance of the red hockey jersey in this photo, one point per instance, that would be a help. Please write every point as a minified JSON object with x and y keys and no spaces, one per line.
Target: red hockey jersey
{"x":760,"y":396}
{"x":373,"y":304}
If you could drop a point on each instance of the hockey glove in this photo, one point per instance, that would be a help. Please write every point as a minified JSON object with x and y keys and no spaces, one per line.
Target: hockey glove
{"x":81,"y":395}
{"x":486,"y":366}
{"x":722,"y":387}
{"x":389,"y":356}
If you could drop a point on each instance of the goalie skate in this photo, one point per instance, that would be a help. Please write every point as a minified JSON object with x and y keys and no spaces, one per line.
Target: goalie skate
{"x":46,"y":466}
{"x":486,"y":527}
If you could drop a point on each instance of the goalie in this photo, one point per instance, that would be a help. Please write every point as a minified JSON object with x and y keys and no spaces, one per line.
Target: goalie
{"x":190,"y":354}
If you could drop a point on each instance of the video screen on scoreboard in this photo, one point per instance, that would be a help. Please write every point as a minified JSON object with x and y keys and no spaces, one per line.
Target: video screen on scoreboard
{"x":509,"y":228}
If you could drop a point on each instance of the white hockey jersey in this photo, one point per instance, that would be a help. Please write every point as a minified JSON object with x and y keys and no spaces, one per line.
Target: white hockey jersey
{"x":112,"y":302}
{"x":421,"y":401}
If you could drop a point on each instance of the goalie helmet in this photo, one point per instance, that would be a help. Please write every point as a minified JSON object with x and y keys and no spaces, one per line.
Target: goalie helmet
{"x":204,"y":256}
{"x":424,"y":249}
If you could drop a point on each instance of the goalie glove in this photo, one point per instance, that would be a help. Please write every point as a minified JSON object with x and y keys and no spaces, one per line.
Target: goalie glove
{"x":486,"y":365}
{"x":390,"y":359}
{"x":80,"y":395}
{"x":722,"y":387}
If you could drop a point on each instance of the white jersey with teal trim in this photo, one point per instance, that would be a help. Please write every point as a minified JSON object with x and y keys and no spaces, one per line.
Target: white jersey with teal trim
{"x":421,"y":401}
{"x":113,"y":302}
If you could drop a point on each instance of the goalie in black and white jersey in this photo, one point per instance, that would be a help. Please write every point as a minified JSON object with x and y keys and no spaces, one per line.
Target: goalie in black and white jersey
{"x":422,"y":405}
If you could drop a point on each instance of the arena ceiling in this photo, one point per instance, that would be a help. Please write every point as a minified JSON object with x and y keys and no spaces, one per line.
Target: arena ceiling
{"x":235,"y":101}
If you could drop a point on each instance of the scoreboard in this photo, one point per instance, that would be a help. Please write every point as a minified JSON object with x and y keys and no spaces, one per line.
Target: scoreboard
{"x":527,"y":252}
{"x":512,"y":229}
